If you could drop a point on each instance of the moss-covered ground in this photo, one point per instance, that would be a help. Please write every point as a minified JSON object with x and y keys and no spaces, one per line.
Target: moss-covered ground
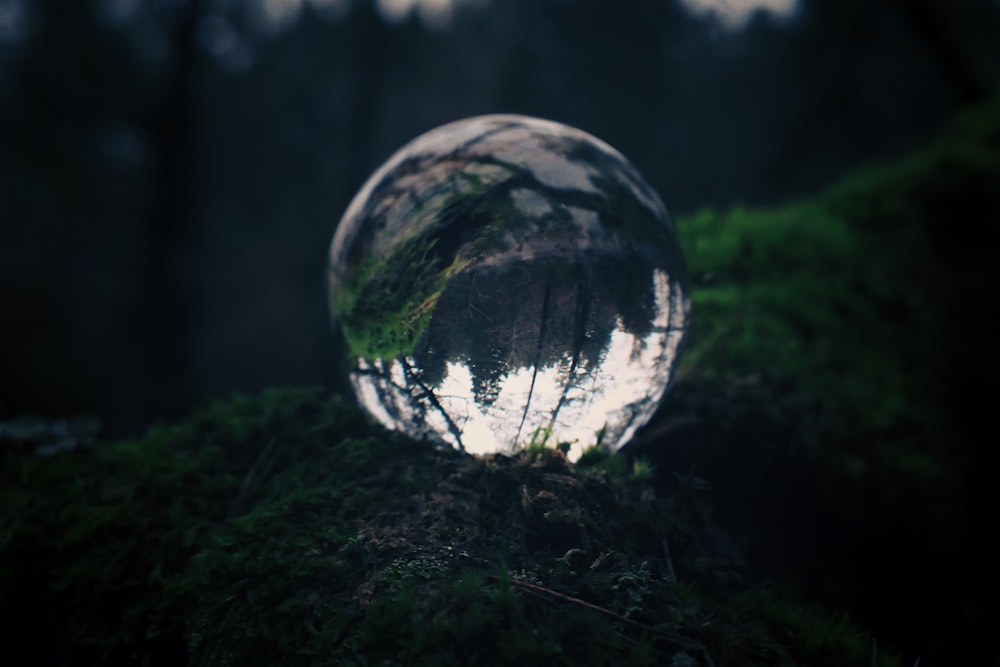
{"x":812,"y":483}
{"x":284,"y":529}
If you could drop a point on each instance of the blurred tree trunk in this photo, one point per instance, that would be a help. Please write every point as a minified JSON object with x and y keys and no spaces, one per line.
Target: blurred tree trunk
{"x":169,"y":280}
{"x":372,"y":46}
{"x":935,"y":25}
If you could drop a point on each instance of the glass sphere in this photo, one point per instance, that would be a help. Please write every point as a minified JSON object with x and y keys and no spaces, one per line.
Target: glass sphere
{"x":503,"y":281}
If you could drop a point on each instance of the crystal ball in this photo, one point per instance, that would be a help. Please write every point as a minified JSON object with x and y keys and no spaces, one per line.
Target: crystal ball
{"x":505,"y":281}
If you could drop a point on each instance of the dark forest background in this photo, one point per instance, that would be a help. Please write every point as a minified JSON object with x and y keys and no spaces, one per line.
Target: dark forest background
{"x":172,"y":171}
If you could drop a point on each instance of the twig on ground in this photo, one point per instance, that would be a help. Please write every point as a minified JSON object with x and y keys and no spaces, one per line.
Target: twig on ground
{"x":671,"y":575}
{"x":549,"y":595}
{"x":248,"y":481}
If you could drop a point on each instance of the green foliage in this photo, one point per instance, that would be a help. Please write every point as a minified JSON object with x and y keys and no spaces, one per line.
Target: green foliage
{"x":539,"y":439}
{"x":643,"y":470}
{"x":593,"y":456}
{"x":598,"y":459}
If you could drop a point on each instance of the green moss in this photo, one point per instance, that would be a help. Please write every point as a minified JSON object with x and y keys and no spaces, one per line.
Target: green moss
{"x":388,"y":304}
{"x":837,"y":303}
{"x":283,"y":529}
{"x":794,"y":293}
{"x":93,"y":540}
{"x":601,"y":459}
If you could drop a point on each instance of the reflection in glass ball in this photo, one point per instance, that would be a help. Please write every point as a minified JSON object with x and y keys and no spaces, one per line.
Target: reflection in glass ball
{"x":503,"y":280}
